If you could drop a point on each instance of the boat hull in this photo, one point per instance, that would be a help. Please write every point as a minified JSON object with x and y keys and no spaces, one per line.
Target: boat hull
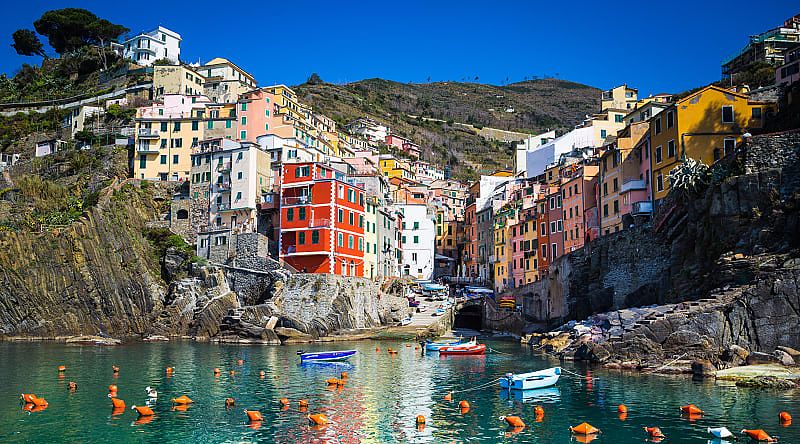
{"x":531,"y":381}
{"x":332,"y":356}
{"x":463,"y":350}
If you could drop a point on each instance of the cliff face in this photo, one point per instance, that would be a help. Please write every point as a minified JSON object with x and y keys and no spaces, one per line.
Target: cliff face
{"x":96,"y":276}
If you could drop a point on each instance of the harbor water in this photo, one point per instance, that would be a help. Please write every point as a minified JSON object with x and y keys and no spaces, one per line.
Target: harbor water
{"x":379,"y":402}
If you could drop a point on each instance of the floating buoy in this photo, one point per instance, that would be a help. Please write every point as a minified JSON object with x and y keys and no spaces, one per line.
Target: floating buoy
{"x":377,"y":349}
{"x":691,"y":409}
{"x":463,"y":404}
{"x":584,"y":429}
{"x":538,"y":411}
{"x":448,"y":396}
{"x":785,"y":417}
{"x":332,"y":381}
{"x":303,"y":403}
{"x":115,"y":369}
{"x":254,"y":415}
{"x":759,"y":435}
{"x":420,"y":420}
{"x":654,"y":432}
{"x":117,"y":411}
{"x":72,"y":386}
{"x":27,"y":397}
{"x":232,"y":373}
{"x":464,"y":410}
{"x":340,"y":382}
{"x":319,"y":419}
{"x":262,"y":374}
{"x":230,"y":402}
{"x":217,"y":372}
{"x":39,"y":402}
{"x":117,"y":403}
{"x":170,"y":370}
{"x":344,"y":375}
{"x":622,"y":408}
{"x":284,"y":401}
{"x":513,"y":421}
{"x":62,"y":368}
{"x":719,"y":432}
{"x":622,"y":416}
{"x":112,"y":388}
{"x":182,"y":400}
{"x":143,"y":410}
{"x":37,"y":408}
{"x":28,"y":407}
{"x":240,"y":362}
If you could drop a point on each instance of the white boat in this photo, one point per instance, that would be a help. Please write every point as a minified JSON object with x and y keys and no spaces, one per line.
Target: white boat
{"x":530,"y":381}
{"x":720,"y":432}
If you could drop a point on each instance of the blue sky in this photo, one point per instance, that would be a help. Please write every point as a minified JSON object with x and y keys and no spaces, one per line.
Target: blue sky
{"x":655,"y":46}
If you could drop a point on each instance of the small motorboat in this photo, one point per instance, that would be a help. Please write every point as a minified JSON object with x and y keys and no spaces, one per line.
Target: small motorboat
{"x":470,"y":348}
{"x":435,"y":346}
{"x":327,"y":356}
{"x":530,"y":381}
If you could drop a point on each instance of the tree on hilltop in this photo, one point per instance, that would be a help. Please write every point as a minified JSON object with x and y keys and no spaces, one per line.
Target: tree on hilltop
{"x":69,"y":29}
{"x":27,"y":43}
{"x":314,"y":79}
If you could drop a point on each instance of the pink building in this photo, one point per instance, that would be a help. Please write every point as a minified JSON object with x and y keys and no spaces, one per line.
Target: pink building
{"x":578,"y":196}
{"x":257,"y":116}
{"x":403,"y":144}
{"x":517,"y":251}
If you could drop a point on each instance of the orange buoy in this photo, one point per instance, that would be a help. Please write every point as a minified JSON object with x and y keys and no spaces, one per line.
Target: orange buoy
{"x":62,"y":368}
{"x":420,"y":420}
{"x":182,"y":400}
{"x":319,"y":419}
{"x":332,"y":381}
{"x":514,"y":421}
{"x":230,"y":402}
{"x":785,"y":417}
{"x":377,"y":349}
{"x":116,"y":412}
{"x":340,"y":382}
{"x":39,"y":402}
{"x":72,"y":386}
{"x":143,"y":410}
{"x":538,"y":410}
{"x":691,"y":409}
{"x":584,"y":429}
{"x":284,"y":401}
{"x":117,"y":403}
{"x":28,"y":407}
{"x":464,"y":410}
{"x":240,"y":362}
{"x":254,"y":415}
{"x":654,"y":432}
{"x":115,"y":369}
{"x":217,"y":372}
{"x":262,"y":374}
{"x":170,"y":370}
{"x":622,"y":408}
{"x":463,"y":404}
{"x":38,"y":408}
{"x":623,"y":416}
{"x":448,"y":396}
{"x":303,"y":403}
{"x":759,"y":435}
{"x":27,"y":397}
{"x":344,"y":375}
{"x":112,"y":388}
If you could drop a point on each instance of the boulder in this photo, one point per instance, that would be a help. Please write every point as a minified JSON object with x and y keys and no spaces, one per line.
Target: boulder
{"x":685,"y":338}
{"x":741,"y":352}
{"x":703,"y":368}
{"x":783,"y":357}
{"x":792,"y":352}
{"x":589,"y":351}
{"x":761,"y":358}
{"x":766,"y":382}
{"x":92,"y":340}
{"x":292,"y":336}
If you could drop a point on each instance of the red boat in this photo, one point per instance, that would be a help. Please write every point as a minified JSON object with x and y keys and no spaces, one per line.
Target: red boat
{"x":466,"y":349}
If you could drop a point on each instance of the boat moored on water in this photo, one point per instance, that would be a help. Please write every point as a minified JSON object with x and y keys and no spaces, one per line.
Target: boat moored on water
{"x":470,"y":348}
{"x":327,"y":356}
{"x":530,"y":381}
{"x":435,"y":346}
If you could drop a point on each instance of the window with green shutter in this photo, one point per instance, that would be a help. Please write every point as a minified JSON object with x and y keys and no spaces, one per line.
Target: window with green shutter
{"x":244,"y":106}
{"x":195,"y":125}
{"x":290,"y":214}
{"x":164,"y":126}
{"x":301,"y":238}
{"x":244,"y":120}
{"x":210,"y":124}
{"x":315,"y":237}
{"x":301,"y":213}
{"x":243,"y":135}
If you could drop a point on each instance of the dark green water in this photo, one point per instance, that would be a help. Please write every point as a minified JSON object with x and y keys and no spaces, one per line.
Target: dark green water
{"x":379,"y":403}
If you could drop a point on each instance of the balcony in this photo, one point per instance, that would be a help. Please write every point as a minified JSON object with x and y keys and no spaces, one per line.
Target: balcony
{"x":319,"y":223}
{"x":223,"y":207}
{"x":269,"y":201}
{"x":147,"y":133}
{"x":214,"y":227}
{"x":224,"y":167}
{"x":296,"y":200}
{"x":222,"y":187}
{"x":642,"y":208}
{"x":147,"y":148}
{"x":633,"y":184}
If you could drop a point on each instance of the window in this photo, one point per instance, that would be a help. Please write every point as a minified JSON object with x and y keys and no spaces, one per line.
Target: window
{"x":658,"y":154}
{"x":290,"y":214}
{"x":618,"y":118}
{"x":340,"y":240}
{"x":341,"y":216}
{"x":243,"y":135}
{"x":360,"y":244}
{"x":757,"y":113}
{"x":416,"y":239}
{"x":671,"y":148}
{"x":301,"y":237}
{"x":239,"y":175}
{"x":350,"y":241}
{"x":163,"y":143}
{"x":175,"y":159}
{"x":657,"y":124}
{"x":616,"y":184}
{"x":244,"y":106}
{"x":416,"y":225}
{"x":555,"y":250}
{"x":603,"y":134}
{"x":244,"y":120}
{"x":605,"y":210}
{"x":315,"y":237}
{"x":301,"y":213}
{"x":177,"y":143}
{"x":163,"y":159}
{"x":195,"y":125}
{"x":361,"y":222}
{"x":729,"y":146}
{"x":227,"y":124}
{"x":350,"y":218}
{"x":670,"y":118}
{"x":553,"y":227}
{"x":727,"y":114}
{"x":660,"y":182}
{"x":543,"y":229}
{"x":560,"y":225}
{"x":210,"y":124}
{"x":616,"y":207}
{"x":544,"y":251}
{"x":605,"y":188}
{"x":177,"y":126}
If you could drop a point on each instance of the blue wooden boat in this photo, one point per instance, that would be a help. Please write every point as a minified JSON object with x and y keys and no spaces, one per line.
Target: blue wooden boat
{"x":532,"y":380}
{"x":327,"y":356}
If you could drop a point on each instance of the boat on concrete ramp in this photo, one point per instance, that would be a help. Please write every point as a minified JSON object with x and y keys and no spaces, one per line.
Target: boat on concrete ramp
{"x":531,"y":381}
{"x":327,"y":356}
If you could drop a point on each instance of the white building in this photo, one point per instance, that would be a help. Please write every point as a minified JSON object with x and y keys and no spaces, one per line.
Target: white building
{"x":529,"y":144}
{"x":540,"y":157}
{"x":374,"y":132}
{"x":81,"y":117}
{"x":287,"y":149}
{"x":418,"y":241}
{"x":225,"y":81}
{"x":147,"y":47}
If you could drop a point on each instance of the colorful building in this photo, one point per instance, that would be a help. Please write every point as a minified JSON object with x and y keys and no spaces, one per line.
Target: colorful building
{"x":577,"y":194}
{"x":322,"y":220}
{"x":621,"y":181}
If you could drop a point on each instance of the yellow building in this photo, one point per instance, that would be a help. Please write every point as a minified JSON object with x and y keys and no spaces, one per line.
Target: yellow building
{"x":705,"y":126}
{"x":392,"y":167}
{"x":621,"y":98}
{"x":620,"y":177}
{"x":176,"y":79}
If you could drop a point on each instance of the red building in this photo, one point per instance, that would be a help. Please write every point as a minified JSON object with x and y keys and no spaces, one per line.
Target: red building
{"x":322,"y":220}
{"x":542,"y":222}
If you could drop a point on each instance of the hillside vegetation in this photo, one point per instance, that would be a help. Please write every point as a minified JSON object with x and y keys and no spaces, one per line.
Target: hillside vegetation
{"x":532,"y":106}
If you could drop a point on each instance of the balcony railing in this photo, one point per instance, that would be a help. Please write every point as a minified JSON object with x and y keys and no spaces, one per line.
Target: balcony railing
{"x":147,"y":133}
{"x":633,"y":184}
{"x":319,"y":223}
{"x":296,"y":200}
{"x":223,"y":206}
{"x":642,"y":208}
{"x":146,"y":148}
{"x":222,"y":187}
{"x":226,"y":166}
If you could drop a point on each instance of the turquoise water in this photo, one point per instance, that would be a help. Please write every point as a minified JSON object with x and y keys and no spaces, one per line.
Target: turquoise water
{"x":382,"y":397}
